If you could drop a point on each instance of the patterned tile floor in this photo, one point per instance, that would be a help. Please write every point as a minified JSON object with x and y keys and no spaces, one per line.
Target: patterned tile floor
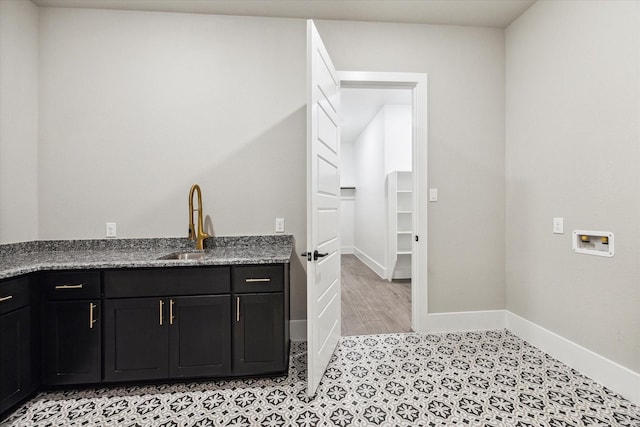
{"x":485,"y":378}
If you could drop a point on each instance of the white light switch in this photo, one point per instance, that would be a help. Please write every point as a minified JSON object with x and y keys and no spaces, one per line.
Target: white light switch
{"x":111,"y":229}
{"x":433,"y":194}
{"x":279,"y":225}
{"x":558,"y":225}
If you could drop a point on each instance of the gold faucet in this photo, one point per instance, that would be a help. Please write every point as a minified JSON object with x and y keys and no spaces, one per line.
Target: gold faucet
{"x":201,"y":235}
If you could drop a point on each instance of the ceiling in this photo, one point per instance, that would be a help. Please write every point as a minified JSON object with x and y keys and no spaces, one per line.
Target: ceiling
{"x":358,"y":106}
{"x":484,"y":13}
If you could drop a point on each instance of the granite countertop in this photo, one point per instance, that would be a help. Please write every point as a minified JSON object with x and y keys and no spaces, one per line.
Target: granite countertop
{"x":22,"y":258}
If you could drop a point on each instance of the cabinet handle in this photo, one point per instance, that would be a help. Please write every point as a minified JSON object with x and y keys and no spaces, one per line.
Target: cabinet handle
{"x":6,"y":298}
{"x":257,"y":280}
{"x":78,"y":286}
{"x":161,"y":304}
{"x":237,"y":309}
{"x":171,"y":317}
{"x":91,"y":319}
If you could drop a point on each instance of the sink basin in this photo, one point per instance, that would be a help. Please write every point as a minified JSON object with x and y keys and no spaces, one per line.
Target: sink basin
{"x":185,"y":256}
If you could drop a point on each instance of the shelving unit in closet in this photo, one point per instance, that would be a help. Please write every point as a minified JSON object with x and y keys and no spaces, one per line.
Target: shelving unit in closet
{"x":400,"y":203}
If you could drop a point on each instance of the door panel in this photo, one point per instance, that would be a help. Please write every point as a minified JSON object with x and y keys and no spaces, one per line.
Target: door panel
{"x":200,"y":336}
{"x":259,"y":334}
{"x":72,"y":351}
{"x":15,"y":357}
{"x":136,"y":339}
{"x":323,"y":191}
{"x":327,"y":130}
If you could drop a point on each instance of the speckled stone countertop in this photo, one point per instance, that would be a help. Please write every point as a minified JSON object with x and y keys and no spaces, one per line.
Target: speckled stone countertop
{"x":22,"y":258}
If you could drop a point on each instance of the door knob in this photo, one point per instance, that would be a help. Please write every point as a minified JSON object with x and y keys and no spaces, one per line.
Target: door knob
{"x":317,"y":255}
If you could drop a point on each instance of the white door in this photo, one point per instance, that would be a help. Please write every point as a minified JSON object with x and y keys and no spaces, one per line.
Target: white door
{"x":323,"y":199}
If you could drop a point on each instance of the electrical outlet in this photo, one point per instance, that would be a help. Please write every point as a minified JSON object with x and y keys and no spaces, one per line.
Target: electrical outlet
{"x":279,"y":225}
{"x":110,"y":229}
{"x":558,"y":225}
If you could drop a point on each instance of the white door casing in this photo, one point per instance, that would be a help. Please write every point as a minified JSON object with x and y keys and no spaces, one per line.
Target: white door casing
{"x":417,"y":82}
{"x":323,"y":201}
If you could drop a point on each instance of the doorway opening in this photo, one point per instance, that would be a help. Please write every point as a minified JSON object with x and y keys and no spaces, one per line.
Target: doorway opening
{"x":376,"y":209}
{"x":383,"y":214}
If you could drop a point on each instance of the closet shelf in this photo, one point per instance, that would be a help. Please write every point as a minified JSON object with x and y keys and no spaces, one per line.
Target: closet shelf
{"x":400,"y":219}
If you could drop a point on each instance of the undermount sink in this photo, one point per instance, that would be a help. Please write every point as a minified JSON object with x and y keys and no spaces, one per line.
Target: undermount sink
{"x":184,"y":256}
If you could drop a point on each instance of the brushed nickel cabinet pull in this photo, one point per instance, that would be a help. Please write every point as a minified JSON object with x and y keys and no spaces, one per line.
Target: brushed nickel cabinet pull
{"x":237,"y":309}
{"x":257,"y":280}
{"x":161,"y":304}
{"x":78,"y":286}
{"x":171,"y":317}
{"x":91,"y":319}
{"x":7,"y":298}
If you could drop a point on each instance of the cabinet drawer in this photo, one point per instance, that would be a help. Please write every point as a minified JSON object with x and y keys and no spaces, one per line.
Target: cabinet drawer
{"x":71,"y":285}
{"x":258,"y":278}
{"x":14,"y":293}
{"x":161,"y":282}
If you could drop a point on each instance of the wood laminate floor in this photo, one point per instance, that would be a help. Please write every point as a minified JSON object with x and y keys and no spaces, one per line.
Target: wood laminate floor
{"x":371,"y":305}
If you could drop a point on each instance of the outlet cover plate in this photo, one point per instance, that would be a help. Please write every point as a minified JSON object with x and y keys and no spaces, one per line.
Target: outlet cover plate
{"x":110,"y":228}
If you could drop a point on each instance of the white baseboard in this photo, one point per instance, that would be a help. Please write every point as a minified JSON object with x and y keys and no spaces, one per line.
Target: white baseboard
{"x":464,"y":321}
{"x":298,"y":330}
{"x":346,"y":250}
{"x":371,"y":263}
{"x":608,"y":373}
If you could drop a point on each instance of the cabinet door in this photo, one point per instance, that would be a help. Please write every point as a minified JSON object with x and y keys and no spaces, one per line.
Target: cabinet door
{"x":199,"y":336}
{"x":258,"y":333}
{"x":72,"y":353}
{"x":136,"y":339}
{"x":15,"y":357}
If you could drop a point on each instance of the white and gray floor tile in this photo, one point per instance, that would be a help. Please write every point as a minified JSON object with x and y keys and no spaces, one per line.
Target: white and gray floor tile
{"x":484,"y":378}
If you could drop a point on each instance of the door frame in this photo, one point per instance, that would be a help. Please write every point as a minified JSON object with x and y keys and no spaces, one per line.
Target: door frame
{"x":417,"y":82}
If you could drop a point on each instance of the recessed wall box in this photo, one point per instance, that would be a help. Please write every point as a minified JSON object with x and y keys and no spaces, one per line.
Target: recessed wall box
{"x":598,"y":243}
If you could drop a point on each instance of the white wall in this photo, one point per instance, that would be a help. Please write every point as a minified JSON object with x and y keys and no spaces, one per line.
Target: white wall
{"x":137,"y":106}
{"x":465,"y":67}
{"x":398,"y":126}
{"x":18,"y":121}
{"x":394,"y":139}
{"x":347,"y":200}
{"x":370,"y":218}
{"x":347,"y":164}
{"x":383,"y":146}
{"x":573,"y":151}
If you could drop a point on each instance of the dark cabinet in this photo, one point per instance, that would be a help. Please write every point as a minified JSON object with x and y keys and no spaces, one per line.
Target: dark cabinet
{"x":72,"y":328}
{"x":200,"y":336}
{"x":72,"y":342}
{"x":170,"y":335}
{"x":259,"y":334}
{"x":17,"y":369}
{"x":136,"y":339}
{"x":260,"y":327}
{"x":119,"y":325}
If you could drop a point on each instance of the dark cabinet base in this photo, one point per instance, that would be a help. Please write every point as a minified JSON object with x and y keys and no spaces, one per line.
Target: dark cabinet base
{"x":135,"y":339}
{"x":146,"y":325}
{"x":156,"y":338}
{"x":200,"y":336}
{"x":72,"y":351}
{"x":15,"y":358}
{"x":259,"y":344}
